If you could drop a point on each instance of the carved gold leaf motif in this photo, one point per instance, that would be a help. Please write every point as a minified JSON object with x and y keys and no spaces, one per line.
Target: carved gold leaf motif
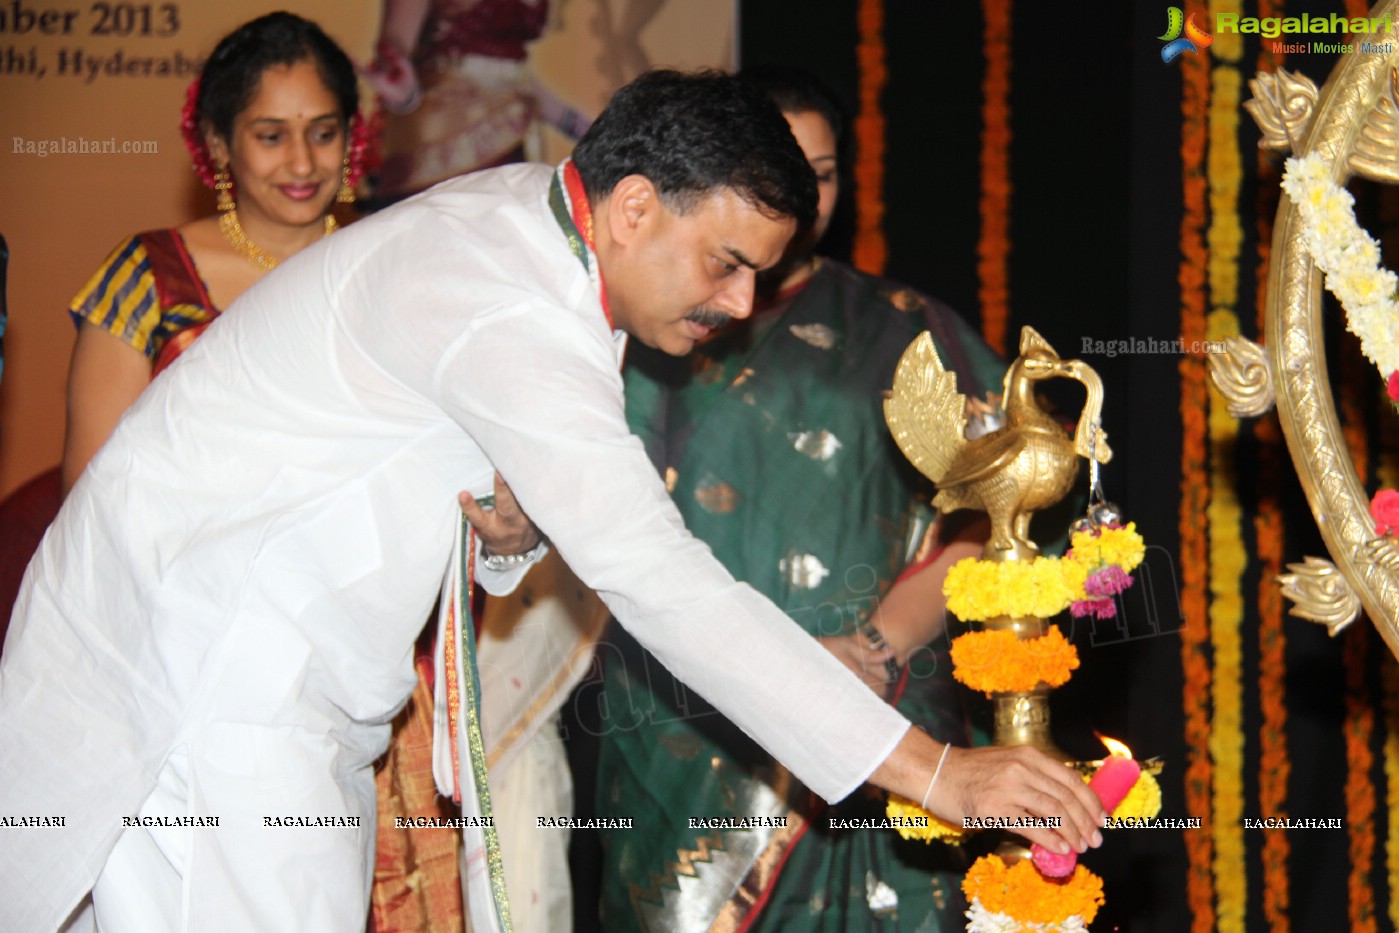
{"x":1320,"y":593}
{"x":1242,"y":376}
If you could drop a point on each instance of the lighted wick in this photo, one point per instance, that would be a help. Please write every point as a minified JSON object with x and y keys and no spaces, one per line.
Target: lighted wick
{"x":1112,"y":782}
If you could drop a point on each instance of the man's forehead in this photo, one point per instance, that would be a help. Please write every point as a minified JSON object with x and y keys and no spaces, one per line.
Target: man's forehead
{"x":750,"y":234}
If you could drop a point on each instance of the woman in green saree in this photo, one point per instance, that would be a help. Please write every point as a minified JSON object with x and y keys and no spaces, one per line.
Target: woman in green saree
{"x":772,"y":441}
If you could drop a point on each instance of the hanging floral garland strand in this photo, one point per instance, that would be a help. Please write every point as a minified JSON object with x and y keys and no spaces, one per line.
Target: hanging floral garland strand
{"x":871,"y":251}
{"x":993,"y":245}
{"x":1360,"y":791}
{"x":1274,"y":765}
{"x":1195,"y":490}
{"x":1227,"y":555}
{"x":1390,"y":678}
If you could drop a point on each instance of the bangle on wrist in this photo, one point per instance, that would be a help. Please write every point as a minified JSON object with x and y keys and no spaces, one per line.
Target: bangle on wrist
{"x":936,"y":772}
{"x":510,"y":561}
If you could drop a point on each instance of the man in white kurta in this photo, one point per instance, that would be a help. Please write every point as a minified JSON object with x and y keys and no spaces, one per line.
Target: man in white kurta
{"x":220,"y":622}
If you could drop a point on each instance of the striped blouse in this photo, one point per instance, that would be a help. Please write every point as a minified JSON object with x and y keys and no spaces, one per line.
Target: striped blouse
{"x":145,"y":292}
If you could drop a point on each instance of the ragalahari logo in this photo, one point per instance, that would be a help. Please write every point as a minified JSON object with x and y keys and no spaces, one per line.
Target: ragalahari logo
{"x":1194,"y":39}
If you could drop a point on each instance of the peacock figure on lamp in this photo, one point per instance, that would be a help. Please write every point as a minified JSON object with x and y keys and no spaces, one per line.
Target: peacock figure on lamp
{"x":1027,"y":465}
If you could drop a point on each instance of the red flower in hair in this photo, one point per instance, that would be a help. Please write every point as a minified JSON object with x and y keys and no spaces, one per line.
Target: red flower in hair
{"x":194,"y":140}
{"x":364,"y":144}
{"x":363,"y":147}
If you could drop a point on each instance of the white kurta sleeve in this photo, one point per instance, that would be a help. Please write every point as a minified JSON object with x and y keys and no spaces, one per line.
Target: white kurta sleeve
{"x":540,"y":393}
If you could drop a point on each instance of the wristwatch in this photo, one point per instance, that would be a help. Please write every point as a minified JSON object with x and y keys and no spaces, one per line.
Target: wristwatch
{"x":511,"y":561}
{"x":877,"y":642}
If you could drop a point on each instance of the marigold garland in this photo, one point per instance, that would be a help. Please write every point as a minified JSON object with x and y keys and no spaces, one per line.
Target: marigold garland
{"x":1109,"y":545}
{"x":1225,"y":515}
{"x":1022,"y":893}
{"x":1195,"y":493}
{"x":999,"y":661}
{"x":903,"y":809}
{"x":1389,"y":677}
{"x":1360,"y":790}
{"x":993,"y":245}
{"x":871,"y":251}
{"x":1274,"y":765}
{"x":979,"y":590}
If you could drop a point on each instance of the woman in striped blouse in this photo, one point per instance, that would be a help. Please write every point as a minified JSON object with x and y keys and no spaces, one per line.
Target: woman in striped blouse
{"x":272,"y":125}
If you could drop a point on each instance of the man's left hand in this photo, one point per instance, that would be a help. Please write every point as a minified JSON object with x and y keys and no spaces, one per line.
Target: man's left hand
{"x":504,"y":528}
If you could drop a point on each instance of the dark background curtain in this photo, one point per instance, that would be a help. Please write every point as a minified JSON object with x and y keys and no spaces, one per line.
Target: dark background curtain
{"x":1095,"y":233}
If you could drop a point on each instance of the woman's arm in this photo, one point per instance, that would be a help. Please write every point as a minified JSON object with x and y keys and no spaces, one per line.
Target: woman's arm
{"x":913,"y":613}
{"x":105,"y":376}
{"x":910,"y":615}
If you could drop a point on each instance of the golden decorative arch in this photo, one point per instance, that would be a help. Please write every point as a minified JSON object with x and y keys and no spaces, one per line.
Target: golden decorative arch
{"x":1352,"y":123}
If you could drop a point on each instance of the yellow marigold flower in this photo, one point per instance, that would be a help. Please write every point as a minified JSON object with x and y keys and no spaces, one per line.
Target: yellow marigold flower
{"x":1075,"y":576}
{"x":978,"y":590}
{"x":902,"y":808}
{"x":1143,"y":801}
{"x":1120,"y":546}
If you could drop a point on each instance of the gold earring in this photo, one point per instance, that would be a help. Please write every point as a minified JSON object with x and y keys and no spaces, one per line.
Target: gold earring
{"x":223,"y":184}
{"x":346,"y":195}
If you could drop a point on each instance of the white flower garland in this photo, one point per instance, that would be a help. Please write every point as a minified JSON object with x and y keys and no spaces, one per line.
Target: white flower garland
{"x":981,"y":920}
{"x":1349,"y":256}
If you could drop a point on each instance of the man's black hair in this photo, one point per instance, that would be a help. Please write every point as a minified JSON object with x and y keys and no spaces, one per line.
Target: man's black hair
{"x":691,"y":134}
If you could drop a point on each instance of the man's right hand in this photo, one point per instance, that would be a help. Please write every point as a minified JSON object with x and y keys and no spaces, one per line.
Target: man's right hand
{"x":1019,"y":781}
{"x":996,"y":782}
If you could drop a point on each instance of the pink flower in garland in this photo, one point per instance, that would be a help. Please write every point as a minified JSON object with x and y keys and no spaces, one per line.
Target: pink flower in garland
{"x":1393,"y":386}
{"x":1108,"y":580}
{"x":1101,"y":608}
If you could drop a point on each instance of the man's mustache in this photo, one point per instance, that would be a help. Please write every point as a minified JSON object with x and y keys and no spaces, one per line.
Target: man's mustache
{"x":708,"y":317}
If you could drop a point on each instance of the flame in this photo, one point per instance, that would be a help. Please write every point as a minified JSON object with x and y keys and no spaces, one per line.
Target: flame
{"x":1119,"y":749}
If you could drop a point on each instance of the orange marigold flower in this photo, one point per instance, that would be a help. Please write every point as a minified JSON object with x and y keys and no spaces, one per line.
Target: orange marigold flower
{"x":998,"y":661}
{"x":1021,"y":892}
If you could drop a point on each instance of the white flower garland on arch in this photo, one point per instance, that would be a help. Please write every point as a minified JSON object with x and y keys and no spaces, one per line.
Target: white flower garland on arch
{"x":1350,"y":258}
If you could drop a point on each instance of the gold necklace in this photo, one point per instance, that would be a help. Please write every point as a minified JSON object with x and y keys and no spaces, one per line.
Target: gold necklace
{"x":232,"y":231}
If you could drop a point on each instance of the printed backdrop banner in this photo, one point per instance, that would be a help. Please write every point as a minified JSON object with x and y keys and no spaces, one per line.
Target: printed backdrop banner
{"x":90,"y":97}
